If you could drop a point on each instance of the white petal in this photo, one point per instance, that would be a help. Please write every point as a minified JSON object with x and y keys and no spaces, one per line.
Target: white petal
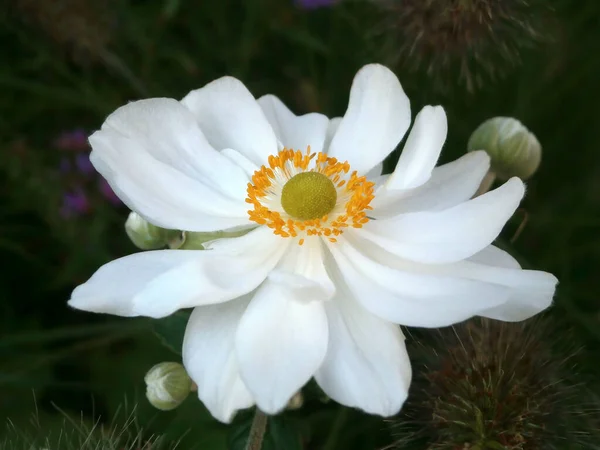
{"x":230,"y":117}
{"x":332,"y":128}
{"x":422,"y":149}
{"x":169,"y":132}
{"x":449,"y":185}
{"x":452,"y":234}
{"x":160,"y":193}
{"x":377,"y":117}
{"x":531,"y":291}
{"x":366,"y":365}
{"x":494,"y":256}
{"x":246,"y":165}
{"x":294,"y":132}
{"x":114,"y":286}
{"x":210,"y":360}
{"x":281,"y":342}
{"x":401,"y":293}
{"x":489,"y":273}
{"x":158,"y":283}
{"x":303,"y":267}
{"x":375,"y":172}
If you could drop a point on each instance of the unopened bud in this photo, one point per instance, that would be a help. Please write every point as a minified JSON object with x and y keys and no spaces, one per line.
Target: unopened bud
{"x":146,"y":236}
{"x":513,"y":149}
{"x":296,"y":401}
{"x":167,"y":385}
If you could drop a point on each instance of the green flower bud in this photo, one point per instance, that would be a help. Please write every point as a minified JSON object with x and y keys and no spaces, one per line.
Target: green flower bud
{"x":146,"y":236}
{"x":513,"y":149}
{"x":167,"y":385}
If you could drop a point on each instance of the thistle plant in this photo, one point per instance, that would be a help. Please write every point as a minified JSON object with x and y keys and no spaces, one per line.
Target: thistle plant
{"x":490,"y":385}
{"x":469,"y":41}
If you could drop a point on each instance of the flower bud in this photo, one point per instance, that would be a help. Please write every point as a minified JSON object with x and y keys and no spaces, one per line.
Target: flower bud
{"x":513,"y":149}
{"x":146,"y":236}
{"x":296,"y":401}
{"x":167,"y":385}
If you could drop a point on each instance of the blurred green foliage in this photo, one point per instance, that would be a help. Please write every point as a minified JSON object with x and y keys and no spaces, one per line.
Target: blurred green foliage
{"x":67,"y":64}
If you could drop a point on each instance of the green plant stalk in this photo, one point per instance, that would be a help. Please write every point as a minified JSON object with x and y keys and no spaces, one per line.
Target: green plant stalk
{"x":336,"y":429}
{"x":257,"y":431}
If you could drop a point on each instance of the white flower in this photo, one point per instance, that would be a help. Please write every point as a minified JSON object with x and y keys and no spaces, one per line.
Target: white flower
{"x":337,"y":257}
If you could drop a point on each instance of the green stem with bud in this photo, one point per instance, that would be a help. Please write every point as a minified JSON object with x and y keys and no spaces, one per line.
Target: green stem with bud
{"x":257,"y":431}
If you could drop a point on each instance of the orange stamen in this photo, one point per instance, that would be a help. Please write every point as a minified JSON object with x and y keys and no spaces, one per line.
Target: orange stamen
{"x":357,"y":192}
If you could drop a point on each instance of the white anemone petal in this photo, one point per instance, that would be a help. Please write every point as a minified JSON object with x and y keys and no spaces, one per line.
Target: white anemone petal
{"x":158,"y":283}
{"x":450,"y":235}
{"x":210,"y":360}
{"x":295,"y":132}
{"x":366,"y":365}
{"x":449,"y":185}
{"x":377,"y":117}
{"x":230,"y":117}
{"x":280,"y":343}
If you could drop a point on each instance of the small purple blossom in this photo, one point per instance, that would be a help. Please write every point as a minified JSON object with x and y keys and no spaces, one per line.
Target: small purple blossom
{"x":77,"y":168}
{"x":84,"y":165}
{"x":314,"y":4}
{"x":108,"y":193}
{"x":75,"y":203}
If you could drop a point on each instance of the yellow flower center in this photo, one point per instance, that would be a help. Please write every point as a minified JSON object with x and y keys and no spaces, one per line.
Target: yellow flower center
{"x":308,"y":196}
{"x":302,"y":194}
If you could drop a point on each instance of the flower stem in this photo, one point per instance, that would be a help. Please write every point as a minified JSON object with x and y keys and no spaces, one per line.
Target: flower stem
{"x":336,"y":429}
{"x":257,"y":431}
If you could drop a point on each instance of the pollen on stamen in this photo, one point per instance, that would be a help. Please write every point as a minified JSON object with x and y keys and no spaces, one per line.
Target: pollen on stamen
{"x":354,"y":194}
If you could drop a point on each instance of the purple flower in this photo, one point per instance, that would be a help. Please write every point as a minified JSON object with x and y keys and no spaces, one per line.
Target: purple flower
{"x":75,"y":140}
{"x":108,"y":193}
{"x":64,"y":166}
{"x":84,"y":165}
{"x":314,"y":4}
{"x":75,"y":203}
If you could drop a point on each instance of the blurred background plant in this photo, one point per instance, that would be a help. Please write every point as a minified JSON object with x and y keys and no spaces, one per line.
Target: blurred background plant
{"x":69,"y":63}
{"x":491,"y":385}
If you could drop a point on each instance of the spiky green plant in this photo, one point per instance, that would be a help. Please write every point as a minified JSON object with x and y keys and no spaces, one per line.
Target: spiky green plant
{"x":80,"y":434}
{"x":488,"y":385}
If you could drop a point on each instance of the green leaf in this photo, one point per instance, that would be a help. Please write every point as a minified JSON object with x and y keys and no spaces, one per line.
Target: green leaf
{"x":170,"y":330}
{"x":283,"y":433}
{"x":239,"y":432}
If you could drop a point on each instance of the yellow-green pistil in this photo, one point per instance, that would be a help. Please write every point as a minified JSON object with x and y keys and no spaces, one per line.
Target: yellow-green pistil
{"x":308,"y":196}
